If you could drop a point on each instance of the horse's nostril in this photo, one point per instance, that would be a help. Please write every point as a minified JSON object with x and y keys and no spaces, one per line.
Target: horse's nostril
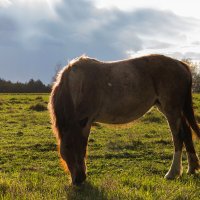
{"x":79,"y":179}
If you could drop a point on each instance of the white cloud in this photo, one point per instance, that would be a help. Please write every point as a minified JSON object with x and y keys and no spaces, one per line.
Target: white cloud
{"x":188,"y":51}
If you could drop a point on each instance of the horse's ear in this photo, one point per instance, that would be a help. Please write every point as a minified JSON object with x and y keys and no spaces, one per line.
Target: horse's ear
{"x":83,"y":122}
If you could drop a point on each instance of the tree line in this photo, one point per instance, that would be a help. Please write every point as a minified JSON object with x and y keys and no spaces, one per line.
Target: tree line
{"x":31,"y":86}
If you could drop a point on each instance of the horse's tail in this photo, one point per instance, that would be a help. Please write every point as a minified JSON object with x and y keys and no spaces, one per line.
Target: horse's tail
{"x":60,"y":104}
{"x":188,"y":107}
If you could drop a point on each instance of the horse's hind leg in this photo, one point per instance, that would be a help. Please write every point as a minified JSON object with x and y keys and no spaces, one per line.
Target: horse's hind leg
{"x":193,"y":160}
{"x":174,"y":120}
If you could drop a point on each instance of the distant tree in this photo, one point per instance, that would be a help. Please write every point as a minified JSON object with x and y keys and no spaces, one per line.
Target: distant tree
{"x":194,"y":67}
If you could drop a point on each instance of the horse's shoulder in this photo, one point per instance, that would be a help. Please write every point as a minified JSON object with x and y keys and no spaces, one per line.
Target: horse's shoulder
{"x":84,"y":61}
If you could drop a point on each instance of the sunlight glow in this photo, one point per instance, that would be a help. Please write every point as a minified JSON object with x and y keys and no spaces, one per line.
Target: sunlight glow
{"x":178,"y":52}
{"x":179,"y":7}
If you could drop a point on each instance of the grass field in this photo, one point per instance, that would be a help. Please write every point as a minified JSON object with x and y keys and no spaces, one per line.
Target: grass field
{"x":124,"y":162}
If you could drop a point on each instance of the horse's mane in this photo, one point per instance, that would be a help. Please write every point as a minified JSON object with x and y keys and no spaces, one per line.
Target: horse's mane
{"x":60,"y":105}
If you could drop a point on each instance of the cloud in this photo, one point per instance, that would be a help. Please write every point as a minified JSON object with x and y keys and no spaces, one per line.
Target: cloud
{"x":4,"y":3}
{"x":36,"y":37}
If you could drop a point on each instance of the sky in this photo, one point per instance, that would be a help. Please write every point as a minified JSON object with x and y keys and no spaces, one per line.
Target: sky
{"x":37,"y":36}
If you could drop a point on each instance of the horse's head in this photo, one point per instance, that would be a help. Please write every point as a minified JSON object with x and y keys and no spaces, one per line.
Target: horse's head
{"x":73,"y":148}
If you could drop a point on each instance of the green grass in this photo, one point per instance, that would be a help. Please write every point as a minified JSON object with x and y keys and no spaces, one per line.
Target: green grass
{"x":124,"y":162}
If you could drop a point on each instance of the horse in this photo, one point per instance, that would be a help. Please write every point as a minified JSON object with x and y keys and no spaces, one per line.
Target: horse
{"x":88,"y":90}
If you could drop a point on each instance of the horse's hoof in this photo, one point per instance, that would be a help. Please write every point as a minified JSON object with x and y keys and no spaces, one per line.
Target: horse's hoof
{"x":191,"y":171}
{"x":169,"y":177}
{"x":172,"y":175}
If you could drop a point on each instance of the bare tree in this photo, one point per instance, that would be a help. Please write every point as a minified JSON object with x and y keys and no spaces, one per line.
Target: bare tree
{"x":194,"y":67}
{"x":58,"y":67}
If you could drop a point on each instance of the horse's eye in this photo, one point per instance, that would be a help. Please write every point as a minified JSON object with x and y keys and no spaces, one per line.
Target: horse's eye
{"x":83,"y":122}
{"x":68,"y":147}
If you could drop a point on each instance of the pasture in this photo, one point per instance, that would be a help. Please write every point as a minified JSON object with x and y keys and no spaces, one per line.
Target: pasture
{"x":124,"y":162}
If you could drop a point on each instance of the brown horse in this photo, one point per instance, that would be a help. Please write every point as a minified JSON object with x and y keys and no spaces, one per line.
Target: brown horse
{"x":88,"y":90}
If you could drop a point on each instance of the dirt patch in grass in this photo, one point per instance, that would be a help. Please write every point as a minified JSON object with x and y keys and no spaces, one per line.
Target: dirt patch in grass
{"x":15,"y":101}
{"x":121,"y":145}
{"x":44,"y":147}
{"x":161,"y":141}
{"x":39,"y":98}
{"x":19,"y":133}
{"x":38,"y":107}
{"x":1,"y":102}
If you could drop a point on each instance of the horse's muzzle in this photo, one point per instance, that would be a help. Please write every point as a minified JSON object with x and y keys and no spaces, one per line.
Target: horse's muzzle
{"x":78,"y":179}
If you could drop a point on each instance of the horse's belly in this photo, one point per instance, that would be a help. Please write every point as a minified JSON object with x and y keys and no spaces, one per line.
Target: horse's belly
{"x":123,"y":112}
{"x":110,"y":119}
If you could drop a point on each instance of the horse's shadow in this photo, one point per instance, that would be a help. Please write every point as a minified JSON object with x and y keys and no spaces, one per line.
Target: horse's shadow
{"x":194,"y":178}
{"x":86,"y":191}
